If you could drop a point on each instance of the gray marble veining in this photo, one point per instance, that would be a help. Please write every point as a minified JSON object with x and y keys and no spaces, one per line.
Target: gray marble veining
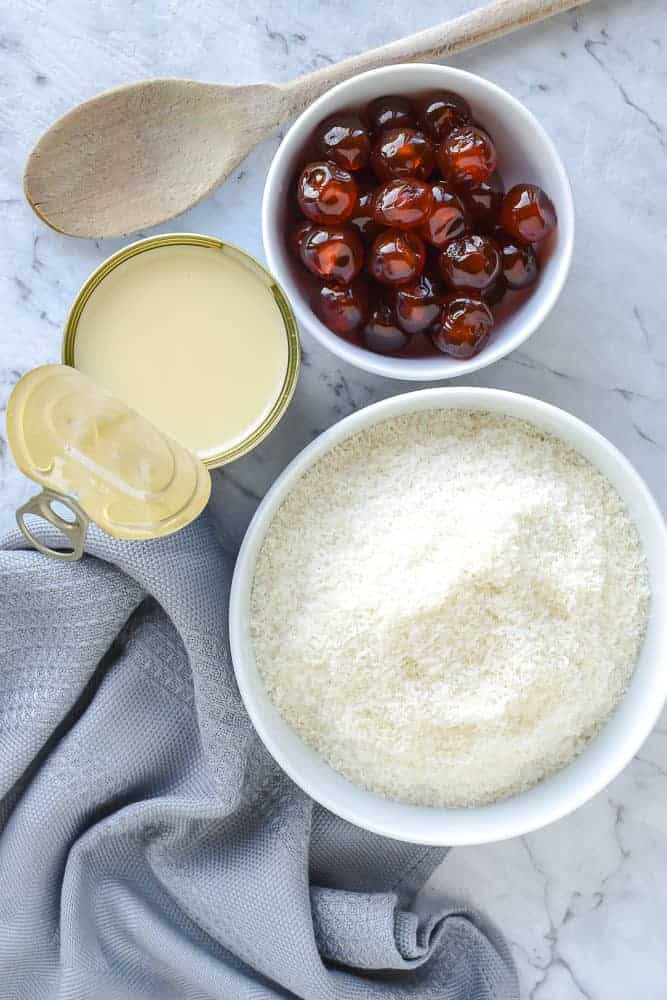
{"x":584,"y":902}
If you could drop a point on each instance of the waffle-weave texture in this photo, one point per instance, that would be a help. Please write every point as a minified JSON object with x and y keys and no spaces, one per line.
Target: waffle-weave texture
{"x":149,"y":846}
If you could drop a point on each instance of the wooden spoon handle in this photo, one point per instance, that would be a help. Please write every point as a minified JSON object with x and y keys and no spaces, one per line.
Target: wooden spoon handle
{"x":482,"y":25}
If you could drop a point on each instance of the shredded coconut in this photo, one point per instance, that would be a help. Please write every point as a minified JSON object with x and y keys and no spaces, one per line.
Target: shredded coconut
{"x":448,"y":606}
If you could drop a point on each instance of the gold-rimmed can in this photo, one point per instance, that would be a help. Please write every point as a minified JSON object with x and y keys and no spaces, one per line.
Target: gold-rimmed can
{"x":180,"y":354}
{"x":105,"y":326}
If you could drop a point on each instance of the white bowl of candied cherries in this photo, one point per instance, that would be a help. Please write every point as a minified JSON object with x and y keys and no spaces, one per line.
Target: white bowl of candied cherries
{"x":420,"y":220}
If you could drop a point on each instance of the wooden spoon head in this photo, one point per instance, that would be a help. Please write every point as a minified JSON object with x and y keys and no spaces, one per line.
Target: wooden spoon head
{"x":133,"y":157}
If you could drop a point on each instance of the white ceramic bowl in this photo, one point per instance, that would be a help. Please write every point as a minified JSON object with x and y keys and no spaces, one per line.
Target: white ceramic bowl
{"x":552,"y":798}
{"x":525,"y":153}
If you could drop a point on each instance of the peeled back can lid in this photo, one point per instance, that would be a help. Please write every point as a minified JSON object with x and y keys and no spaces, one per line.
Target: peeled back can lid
{"x":101,"y":459}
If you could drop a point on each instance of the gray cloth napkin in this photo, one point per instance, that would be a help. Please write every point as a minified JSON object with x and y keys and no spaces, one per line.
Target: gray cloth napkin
{"x":149,"y":846}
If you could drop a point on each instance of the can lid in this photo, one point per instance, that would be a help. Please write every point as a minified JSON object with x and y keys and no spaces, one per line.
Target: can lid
{"x":85,"y":446}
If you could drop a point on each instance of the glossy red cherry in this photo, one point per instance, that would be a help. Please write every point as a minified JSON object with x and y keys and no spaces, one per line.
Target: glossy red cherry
{"x":447,"y":221}
{"x":390,"y":112}
{"x":343,"y":308}
{"x":396,"y":257}
{"x":298,"y":236}
{"x":418,"y":305}
{"x":326,"y":192}
{"x":519,"y":264}
{"x":527,"y":213}
{"x":333,"y":252}
{"x":464,"y":327}
{"x":467,"y":155}
{"x":402,"y":152}
{"x":362,"y":218}
{"x":404,"y":202}
{"x":484,"y":201}
{"x":382,"y":333}
{"x":471,"y":263}
{"x":344,"y":139}
{"x":442,"y":111}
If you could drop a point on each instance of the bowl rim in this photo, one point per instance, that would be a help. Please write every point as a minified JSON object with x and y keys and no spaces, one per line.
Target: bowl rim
{"x":555,"y":796}
{"x":413,"y":369}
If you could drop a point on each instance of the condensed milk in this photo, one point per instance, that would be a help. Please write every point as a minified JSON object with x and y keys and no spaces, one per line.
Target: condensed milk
{"x":192,"y":334}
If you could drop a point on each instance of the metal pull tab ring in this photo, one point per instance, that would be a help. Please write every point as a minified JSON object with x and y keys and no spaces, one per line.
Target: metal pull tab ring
{"x":74,"y":531}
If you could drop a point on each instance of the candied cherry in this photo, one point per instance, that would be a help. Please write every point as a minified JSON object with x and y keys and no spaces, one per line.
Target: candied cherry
{"x":467,"y":155}
{"x":527,"y":213}
{"x":483,"y":202}
{"x":418,"y":305}
{"x":464,"y":327}
{"x":402,"y":152}
{"x":362,"y":218}
{"x":344,"y":139}
{"x":404,"y":202}
{"x":298,"y":236}
{"x":343,"y":308}
{"x":519,"y":264}
{"x":471,"y":263}
{"x":447,"y":221}
{"x":382,"y":333}
{"x":443,"y":111}
{"x":326,"y":192}
{"x":333,"y":252}
{"x":390,"y":111}
{"x":495,"y":293}
{"x":396,"y":257}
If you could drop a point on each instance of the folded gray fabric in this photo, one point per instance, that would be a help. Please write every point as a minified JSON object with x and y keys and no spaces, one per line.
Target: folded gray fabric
{"x":149,"y":846}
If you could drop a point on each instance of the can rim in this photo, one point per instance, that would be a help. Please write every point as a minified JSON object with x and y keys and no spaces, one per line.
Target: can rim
{"x":211,"y":242}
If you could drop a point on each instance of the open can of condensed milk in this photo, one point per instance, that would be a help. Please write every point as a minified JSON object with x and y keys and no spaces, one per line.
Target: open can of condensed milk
{"x":181,"y":353}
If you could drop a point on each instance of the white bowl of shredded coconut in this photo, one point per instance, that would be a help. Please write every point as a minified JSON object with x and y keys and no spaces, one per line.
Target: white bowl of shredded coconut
{"x":448,"y":617}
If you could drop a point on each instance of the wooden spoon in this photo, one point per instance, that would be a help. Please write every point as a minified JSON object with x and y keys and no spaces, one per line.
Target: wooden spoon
{"x":135,"y":156}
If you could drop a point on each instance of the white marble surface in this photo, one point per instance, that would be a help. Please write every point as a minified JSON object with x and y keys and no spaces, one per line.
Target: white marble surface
{"x":583,"y":902}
